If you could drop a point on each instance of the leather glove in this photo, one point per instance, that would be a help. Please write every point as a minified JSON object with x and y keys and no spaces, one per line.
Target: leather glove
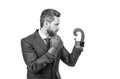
{"x":56,"y":42}
{"x":81,"y":32}
{"x":77,"y":39}
{"x":55,"y":45}
{"x":78,"y":42}
{"x":77,"y":45}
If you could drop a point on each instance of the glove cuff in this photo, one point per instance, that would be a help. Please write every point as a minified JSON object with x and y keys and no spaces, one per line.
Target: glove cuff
{"x":79,"y":43}
{"x":52,"y":51}
{"x":82,"y":44}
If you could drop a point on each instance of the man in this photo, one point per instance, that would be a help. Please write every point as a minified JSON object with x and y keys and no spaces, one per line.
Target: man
{"x":43,"y":49}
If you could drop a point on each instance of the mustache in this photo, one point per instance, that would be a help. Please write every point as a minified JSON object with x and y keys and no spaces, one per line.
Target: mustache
{"x":56,"y":31}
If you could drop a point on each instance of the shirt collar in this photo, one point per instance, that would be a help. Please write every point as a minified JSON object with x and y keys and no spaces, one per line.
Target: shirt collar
{"x":42,"y":35}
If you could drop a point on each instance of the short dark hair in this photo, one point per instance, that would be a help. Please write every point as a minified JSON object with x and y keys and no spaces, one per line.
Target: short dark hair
{"x":49,"y":15}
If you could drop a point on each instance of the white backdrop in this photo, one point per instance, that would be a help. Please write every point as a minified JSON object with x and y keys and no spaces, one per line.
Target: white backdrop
{"x":100,"y":19}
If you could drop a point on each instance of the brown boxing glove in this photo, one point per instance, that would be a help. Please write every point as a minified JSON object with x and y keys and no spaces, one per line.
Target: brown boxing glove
{"x":77,"y":44}
{"x":55,"y":45}
{"x":56,"y":42}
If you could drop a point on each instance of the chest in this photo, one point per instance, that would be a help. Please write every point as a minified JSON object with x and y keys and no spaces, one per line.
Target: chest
{"x":40,"y":49}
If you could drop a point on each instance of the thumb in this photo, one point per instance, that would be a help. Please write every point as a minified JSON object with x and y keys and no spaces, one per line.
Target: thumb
{"x":78,"y":37}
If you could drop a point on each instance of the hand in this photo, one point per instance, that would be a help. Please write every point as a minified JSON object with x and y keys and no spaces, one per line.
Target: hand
{"x":77,"y":45}
{"x":78,"y":41}
{"x":55,"y":45}
{"x":78,"y":37}
{"x":56,"y":42}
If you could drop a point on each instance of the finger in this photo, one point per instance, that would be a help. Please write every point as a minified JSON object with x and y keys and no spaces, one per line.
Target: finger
{"x":56,"y":38}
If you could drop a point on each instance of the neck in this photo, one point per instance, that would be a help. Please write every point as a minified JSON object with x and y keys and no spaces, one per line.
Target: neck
{"x":44,"y":32}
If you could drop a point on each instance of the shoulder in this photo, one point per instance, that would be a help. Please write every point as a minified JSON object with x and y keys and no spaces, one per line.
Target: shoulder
{"x":27,"y":38}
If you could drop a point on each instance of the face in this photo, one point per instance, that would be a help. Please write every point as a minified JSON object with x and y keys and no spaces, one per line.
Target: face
{"x":53,"y":27}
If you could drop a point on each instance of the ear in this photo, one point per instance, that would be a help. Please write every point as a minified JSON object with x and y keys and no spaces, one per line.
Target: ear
{"x":46,"y":24}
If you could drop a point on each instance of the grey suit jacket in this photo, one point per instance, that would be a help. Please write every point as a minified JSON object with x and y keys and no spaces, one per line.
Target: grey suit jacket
{"x":40,"y":64}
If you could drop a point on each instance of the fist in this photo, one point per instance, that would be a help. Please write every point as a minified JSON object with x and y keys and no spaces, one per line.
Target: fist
{"x":56,"y":42}
{"x":78,"y":37}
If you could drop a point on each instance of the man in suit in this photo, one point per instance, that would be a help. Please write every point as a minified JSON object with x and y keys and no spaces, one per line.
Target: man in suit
{"x":43,"y":49}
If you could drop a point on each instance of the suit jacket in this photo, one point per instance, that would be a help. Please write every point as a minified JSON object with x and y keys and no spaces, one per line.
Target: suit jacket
{"x":40,"y":64}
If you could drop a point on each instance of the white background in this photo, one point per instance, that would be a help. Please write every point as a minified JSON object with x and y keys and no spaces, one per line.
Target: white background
{"x":100,"y":19}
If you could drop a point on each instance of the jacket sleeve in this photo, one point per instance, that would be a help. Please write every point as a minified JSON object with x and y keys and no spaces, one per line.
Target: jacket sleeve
{"x":33,"y":62}
{"x":70,"y":58}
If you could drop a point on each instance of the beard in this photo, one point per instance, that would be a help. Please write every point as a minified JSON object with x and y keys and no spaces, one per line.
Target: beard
{"x":51,"y":33}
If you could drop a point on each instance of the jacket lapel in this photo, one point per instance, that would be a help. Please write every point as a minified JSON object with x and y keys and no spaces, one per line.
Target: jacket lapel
{"x":39,"y":40}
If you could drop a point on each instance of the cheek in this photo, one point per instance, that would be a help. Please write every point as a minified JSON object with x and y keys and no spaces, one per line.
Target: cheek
{"x":53,"y":28}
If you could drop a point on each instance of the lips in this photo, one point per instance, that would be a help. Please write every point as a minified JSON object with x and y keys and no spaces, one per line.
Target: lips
{"x":56,"y":31}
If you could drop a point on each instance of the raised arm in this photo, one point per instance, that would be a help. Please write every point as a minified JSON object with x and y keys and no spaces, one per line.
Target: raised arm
{"x":70,"y":58}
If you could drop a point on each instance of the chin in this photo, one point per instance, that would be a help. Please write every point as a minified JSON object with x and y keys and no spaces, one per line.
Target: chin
{"x":51,"y":33}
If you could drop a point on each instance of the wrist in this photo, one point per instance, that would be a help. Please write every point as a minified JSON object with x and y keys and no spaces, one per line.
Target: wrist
{"x":79,"y":43}
{"x":52,"y":50}
{"x":79,"y":48}
{"x":57,"y":47}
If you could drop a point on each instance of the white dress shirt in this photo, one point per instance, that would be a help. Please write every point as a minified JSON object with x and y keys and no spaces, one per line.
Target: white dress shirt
{"x":42,"y":35}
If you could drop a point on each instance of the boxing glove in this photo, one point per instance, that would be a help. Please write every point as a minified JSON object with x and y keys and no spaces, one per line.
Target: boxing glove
{"x":55,"y":45}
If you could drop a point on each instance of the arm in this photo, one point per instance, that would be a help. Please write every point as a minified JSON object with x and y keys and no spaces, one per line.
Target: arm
{"x":33,"y":62}
{"x":71,"y":59}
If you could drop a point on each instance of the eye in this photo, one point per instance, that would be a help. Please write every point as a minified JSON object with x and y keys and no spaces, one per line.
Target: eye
{"x":57,"y":24}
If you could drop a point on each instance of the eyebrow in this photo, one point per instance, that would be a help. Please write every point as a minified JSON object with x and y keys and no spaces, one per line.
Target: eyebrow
{"x":57,"y":24}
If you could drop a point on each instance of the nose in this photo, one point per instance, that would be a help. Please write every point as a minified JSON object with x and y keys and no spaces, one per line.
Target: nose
{"x":58,"y":27}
